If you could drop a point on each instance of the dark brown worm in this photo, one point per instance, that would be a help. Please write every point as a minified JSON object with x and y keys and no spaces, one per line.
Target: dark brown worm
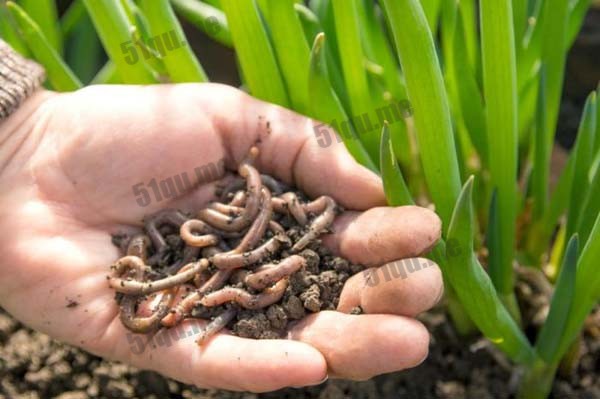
{"x":243,"y":298}
{"x":318,"y":226}
{"x":189,"y":255}
{"x":154,"y":222}
{"x":195,"y":233}
{"x":139,"y":246}
{"x":216,"y":325}
{"x":141,"y":324}
{"x":230,"y":260}
{"x":268,"y":274}
{"x":134,"y":287}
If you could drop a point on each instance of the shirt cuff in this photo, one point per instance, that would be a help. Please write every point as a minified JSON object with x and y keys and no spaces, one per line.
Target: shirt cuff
{"x":19,"y":78}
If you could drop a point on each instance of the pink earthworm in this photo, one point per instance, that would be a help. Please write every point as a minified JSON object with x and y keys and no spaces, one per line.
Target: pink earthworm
{"x":143,"y":288}
{"x":253,"y":186}
{"x":229,"y":260}
{"x":216,"y":325}
{"x":183,"y":308}
{"x":290,"y":203}
{"x":243,"y":298}
{"x":195,"y":233}
{"x":226,"y":209}
{"x":238,"y":183}
{"x":259,"y":226}
{"x":318,"y":225}
{"x":270,"y":273}
{"x":239,"y":199}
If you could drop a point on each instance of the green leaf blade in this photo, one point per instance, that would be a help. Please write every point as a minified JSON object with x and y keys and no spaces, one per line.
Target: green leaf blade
{"x":474,"y":287}
{"x":60,"y":76}
{"x":326,"y":106}
{"x":500,"y":87}
{"x":548,"y":340}
{"x":426,"y":91}
{"x":394,"y":185}
{"x":256,"y":56}
{"x":207,"y":18}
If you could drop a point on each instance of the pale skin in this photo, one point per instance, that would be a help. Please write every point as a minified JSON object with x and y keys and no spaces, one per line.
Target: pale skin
{"x":67,"y":166}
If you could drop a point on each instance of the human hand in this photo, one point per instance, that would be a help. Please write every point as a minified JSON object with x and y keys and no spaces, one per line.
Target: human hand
{"x":68,"y":163}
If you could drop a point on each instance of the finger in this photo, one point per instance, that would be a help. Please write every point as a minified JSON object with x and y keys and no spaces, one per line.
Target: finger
{"x":407,"y":287}
{"x":360,"y":347}
{"x":224,"y":362}
{"x":382,"y":235}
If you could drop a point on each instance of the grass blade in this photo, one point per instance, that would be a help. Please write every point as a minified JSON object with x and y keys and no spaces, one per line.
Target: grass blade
{"x":309,"y":20}
{"x":548,"y":340}
{"x":583,"y":161}
{"x":44,"y":13}
{"x":396,"y":191}
{"x":346,"y":16}
{"x":587,"y":288}
{"x":71,"y":17}
{"x":108,"y":74}
{"x":254,"y":51}
{"x":292,"y":50}
{"x":114,"y":29}
{"x":432,"y":9}
{"x":207,"y":18}
{"x":577,"y":13}
{"x":474,"y":287}
{"x":469,"y":96}
{"x":500,"y":87}
{"x":554,"y":28}
{"x":83,"y":51}
{"x":541,"y":171}
{"x":427,"y":94}
{"x":9,"y":34}
{"x":59,"y":75}
{"x":170,"y":41}
{"x":326,"y":106}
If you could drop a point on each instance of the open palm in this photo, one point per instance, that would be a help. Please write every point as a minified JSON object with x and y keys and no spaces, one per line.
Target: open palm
{"x":68,"y":167}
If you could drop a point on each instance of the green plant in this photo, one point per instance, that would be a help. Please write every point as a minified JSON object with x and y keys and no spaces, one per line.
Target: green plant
{"x":484,"y":80}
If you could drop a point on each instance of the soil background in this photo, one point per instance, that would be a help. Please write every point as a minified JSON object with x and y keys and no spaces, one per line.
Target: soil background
{"x":34,"y":366}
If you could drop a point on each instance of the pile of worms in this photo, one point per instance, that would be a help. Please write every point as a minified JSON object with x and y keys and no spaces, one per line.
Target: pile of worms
{"x":235,"y":255}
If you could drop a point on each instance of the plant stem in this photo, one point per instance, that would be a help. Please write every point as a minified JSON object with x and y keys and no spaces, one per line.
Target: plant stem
{"x":537,"y":381}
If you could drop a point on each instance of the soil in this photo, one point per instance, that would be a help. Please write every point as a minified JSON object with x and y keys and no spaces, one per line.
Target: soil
{"x":34,"y":366}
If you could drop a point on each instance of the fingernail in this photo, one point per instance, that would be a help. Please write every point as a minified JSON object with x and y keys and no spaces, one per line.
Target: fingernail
{"x":322,"y":381}
{"x":312,"y":385}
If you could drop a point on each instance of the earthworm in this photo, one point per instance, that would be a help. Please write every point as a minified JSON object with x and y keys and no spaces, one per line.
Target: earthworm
{"x":237,"y":184}
{"x":189,"y":233}
{"x":143,"y":288}
{"x":253,"y":186}
{"x":139,"y":246}
{"x":243,"y":298}
{"x":141,"y":324}
{"x":239,"y":199}
{"x":189,"y":255}
{"x":293,"y":206}
{"x":231,"y":260}
{"x":183,"y":308}
{"x":227,"y":209}
{"x":152,"y":224}
{"x":259,"y":226}
{"x":216,"y":325}
{"x":270,"y":273}
{"x":318,"y":225}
